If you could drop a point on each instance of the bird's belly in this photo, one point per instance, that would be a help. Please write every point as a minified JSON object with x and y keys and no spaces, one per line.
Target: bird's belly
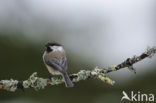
{"x":53,"y":71}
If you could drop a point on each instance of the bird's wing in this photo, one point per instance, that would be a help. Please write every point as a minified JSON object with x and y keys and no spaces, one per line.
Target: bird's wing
{"x":55,"y":65}
{"x":58,"y":64}
{"x":63,"y":63}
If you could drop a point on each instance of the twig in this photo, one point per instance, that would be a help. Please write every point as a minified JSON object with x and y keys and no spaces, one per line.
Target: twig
{"x":40,"y":83}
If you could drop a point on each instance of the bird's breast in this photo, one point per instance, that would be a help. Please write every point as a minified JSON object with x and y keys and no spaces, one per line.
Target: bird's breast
{"x":52,"y":70}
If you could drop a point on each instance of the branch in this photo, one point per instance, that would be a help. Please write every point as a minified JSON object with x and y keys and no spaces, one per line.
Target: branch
{"x":40,"y":83}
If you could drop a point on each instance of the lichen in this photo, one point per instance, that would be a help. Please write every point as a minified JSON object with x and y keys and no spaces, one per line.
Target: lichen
{"x":150,"y":51}
{"x":113,"y":67}
{"x":106,"y":80}
{"x":35,"y":82}
{"x":9,"y":85}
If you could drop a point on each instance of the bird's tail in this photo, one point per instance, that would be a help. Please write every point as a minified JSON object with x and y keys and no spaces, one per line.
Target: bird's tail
{"x":67,"y":80}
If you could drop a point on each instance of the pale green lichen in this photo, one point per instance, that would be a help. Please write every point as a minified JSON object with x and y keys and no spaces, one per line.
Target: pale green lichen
{"x":35,"y":82}
{"x":82,"y":75}
{"x":113,"y":67}
{"x":97,"y":70}
{"x":106,"y":80}
{"x":9,"y":85}
{"x":56,"y":81}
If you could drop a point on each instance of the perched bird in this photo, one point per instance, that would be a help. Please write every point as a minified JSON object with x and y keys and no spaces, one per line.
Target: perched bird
{"x":55,"y":60}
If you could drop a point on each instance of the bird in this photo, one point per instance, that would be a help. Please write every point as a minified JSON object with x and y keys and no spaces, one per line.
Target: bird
{"x":54,"y":58}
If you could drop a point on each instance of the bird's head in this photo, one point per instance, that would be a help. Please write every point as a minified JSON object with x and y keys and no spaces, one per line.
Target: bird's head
{"x":53,"y":46}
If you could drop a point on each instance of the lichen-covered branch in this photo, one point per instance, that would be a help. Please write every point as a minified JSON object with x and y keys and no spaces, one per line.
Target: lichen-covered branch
{"x":40,"y":83}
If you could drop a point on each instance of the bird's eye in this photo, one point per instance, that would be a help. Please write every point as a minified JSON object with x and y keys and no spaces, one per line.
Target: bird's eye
{"x":49,"y":49}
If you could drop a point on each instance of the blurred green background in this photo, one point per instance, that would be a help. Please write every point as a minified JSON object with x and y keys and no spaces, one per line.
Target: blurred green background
{"x":91,"y":38}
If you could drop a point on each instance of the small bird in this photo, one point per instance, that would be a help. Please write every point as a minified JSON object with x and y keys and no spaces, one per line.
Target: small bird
{"x":55,"y":60}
